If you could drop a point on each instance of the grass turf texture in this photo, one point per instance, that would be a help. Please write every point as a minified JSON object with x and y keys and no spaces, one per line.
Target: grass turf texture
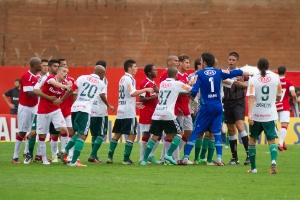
{"x":116,"y":181}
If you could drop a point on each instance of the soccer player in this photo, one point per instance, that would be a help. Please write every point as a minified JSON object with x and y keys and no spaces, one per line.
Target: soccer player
{"x":234,"y":110}
{"x":125,"y":122}
{"x":27,"y":102}
{"x":48,"y":111}
{"x":182,"y":110}
{"x":283,"y":106}
{"x":13,"y":93}
{"x":163,"y":118}
{"x":99,"y":119}
{"x":172,"y":61}
{"x":89,"y":88}
{"x":263,"y":90}
{"x":149,"y":101}
{"x":209,"y":117}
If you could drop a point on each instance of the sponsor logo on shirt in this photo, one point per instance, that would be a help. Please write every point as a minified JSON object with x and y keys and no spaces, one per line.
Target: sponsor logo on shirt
{"x":210,"y":72}
{"x":165,"y":85}
{"x":265,"y":79}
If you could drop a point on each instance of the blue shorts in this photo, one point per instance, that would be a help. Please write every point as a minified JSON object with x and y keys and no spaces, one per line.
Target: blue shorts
{"x":209,"y":118}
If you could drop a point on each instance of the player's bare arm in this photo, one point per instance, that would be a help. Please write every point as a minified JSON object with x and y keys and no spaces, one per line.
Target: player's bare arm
{"x":104,"y":99}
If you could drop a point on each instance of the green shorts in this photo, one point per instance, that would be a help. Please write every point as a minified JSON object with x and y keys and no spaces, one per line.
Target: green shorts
{"x":168,"y":126}
{"x":98,"y":126}
{"x":81,"y":122}
{"x":269,"y":128}
{"x":125,"y":126}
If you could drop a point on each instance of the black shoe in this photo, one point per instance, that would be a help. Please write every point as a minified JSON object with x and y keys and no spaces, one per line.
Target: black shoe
{"x":28,"y":159}
{"x":247,"y":161}
{"x":233,"y":161}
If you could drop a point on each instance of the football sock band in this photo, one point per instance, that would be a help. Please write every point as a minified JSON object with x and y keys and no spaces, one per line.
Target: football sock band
{"x":245,"y":141}
{"x":54,"y":144}
{"x":64,"y":140}
{"x":42,"y":145}
{"x":31,"y":144}
{"x":182,"y":143}
{"x":211,"y":149}
{"x":204,"y":147}
{"x":273,"y":151}
{"x":175,"y":143}
{"x":77,"y":149}
{"x":26,"y":149}
{"x":112,"y":146}
{"x":71,"y":143}
{"x":127,"y":150}
{"x":252,"y":155}
{"x":97,"y":145}
{"x":198,"y":145}
{"x":282,"y":136}
{"x":143,"y":145}
{"x":149,"y":147}
{"x":218,"y":145}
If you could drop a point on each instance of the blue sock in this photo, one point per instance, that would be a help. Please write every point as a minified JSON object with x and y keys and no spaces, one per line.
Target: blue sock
{"x":218,"y":144}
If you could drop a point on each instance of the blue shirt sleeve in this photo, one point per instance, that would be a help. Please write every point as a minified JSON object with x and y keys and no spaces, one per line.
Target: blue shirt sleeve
{"x":232,"y":73}
{"x":196,"y":86}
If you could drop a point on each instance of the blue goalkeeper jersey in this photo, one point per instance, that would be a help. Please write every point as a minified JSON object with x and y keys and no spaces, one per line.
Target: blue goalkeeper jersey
{"x":209,"y":82}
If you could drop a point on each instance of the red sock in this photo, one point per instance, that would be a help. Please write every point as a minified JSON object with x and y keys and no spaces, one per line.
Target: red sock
{"x":55,"y":139}
{"x":18,"y":137}
{"x":184,"y":139}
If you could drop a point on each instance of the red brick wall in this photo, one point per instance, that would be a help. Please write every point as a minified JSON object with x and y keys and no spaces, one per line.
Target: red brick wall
{"x":84,"y":31}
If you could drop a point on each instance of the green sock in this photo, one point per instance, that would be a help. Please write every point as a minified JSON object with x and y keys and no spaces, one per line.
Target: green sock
{"x":273,"y":151}
{"x":252,"y":155}
{"x":204,"y":147}
{"x":127,"y":151}
{"x":198,"y":148}
{"x":77,"y":149}
{"x":96,"y":146}
{"x":93,"y":141}
{"x":227,"y":139}
{"x":149,"y":148}
{"x":211,"y":149}
{"x":31,"y":143}
{"x":71,"y":143}
{"x":175,"y":142}
{"x":112,"y":146}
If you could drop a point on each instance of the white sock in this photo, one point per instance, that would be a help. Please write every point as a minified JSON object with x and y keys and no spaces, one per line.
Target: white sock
{"x":54,"y":148}
{"x":154,"y":148}
{"x":38,"y":150}
{"x":26,"y":149}
{"x":42,"y":146}
{"x":142,"y":149}
{"x":18,"y":145}
{"x":181,"y":145}
{"x":165,"y":149}
{"x":282,"y":136}
{"x":176,"y":154}
{"x":64,"y":142}
{"x":243,"y":133}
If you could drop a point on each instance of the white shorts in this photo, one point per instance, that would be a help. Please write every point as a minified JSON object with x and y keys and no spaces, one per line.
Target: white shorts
{"x":186,"y":122}
{"x":284,"y":116}
{"x":68,"y":120}
{"x":144,"y":128}
{"x":44,"y":120}
{"x":25,"y":118}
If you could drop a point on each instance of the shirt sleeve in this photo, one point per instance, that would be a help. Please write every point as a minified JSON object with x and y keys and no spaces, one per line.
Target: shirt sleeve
{"x":251,"y":88}
{"x":8,"y":93}
{"x":130,"y":86}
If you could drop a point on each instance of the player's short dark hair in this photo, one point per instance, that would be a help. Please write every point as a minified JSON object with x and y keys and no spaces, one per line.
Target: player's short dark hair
{"x":52,"y":61}
{"x":263,"y":66}
{"x":281,"y":70}
{"x":44,"y":60}
{"x":101,"y":62}
{"x":128,"y":63}
{"x":208,"y":58}
{"x":60,"y":60}
{"x":235,"y":54}
{"x":196,"y":63}
{"x":183,"y":57}
{"x":18,"y":79}
{"x":148,"y":68}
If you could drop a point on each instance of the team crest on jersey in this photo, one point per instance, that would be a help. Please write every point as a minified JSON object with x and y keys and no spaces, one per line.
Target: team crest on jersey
{"x":92,"y":79}
{"x":165,"y":85}
{"x":122,"y":80}
{"x":210,"y":72}
{"x":265,"y":79}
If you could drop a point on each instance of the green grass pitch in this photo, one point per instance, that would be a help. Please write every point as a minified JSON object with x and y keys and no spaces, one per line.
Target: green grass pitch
{"x":116,"y":181}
